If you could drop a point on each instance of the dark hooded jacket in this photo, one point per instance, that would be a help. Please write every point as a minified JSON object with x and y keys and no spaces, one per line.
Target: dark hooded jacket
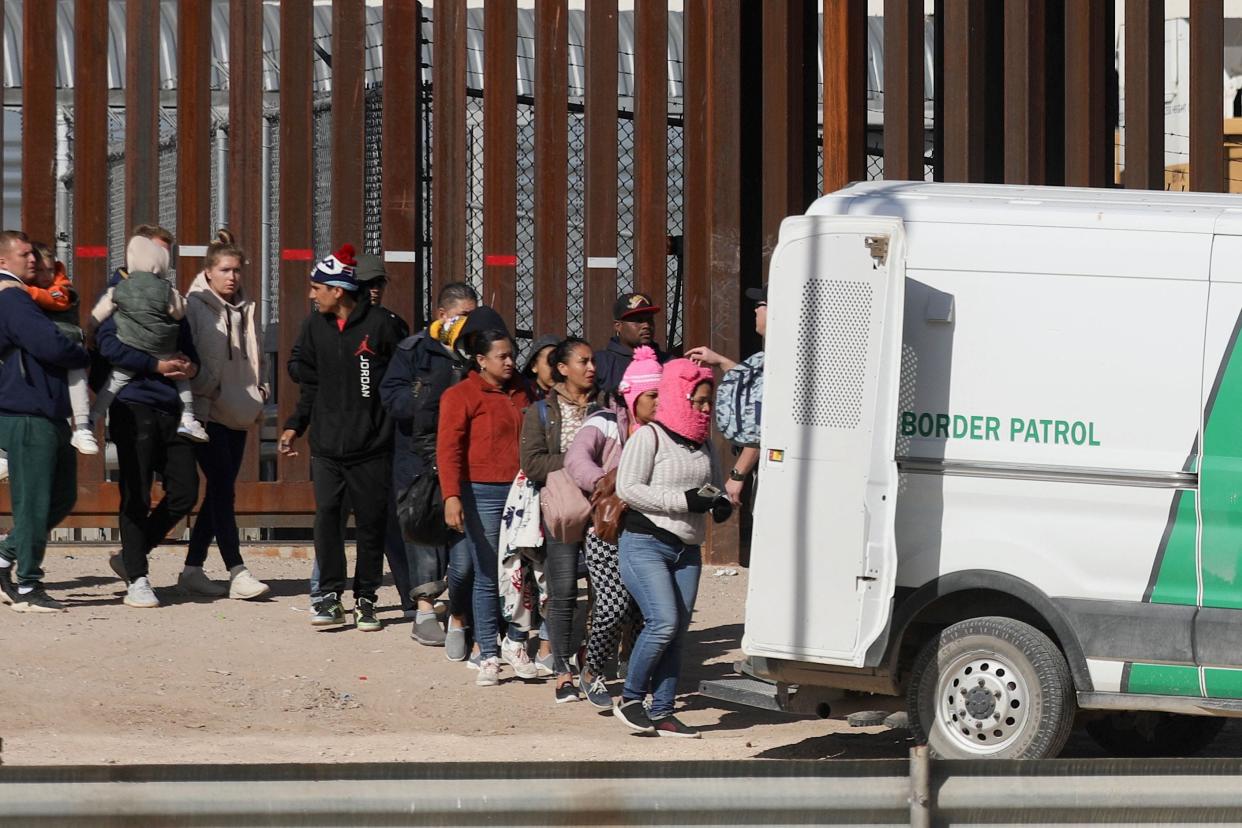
{"x":340,"y":373}
{"x":34,"y":356}
{"x":611,"y":362}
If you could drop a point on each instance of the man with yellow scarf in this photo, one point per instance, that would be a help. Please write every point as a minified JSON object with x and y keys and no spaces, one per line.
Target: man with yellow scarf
{"x":423,"y":368}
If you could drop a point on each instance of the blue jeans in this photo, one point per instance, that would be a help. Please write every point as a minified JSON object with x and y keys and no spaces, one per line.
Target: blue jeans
{"x":664,"y":581}
{"x":483,"y":504}
{"x":461,"y":580}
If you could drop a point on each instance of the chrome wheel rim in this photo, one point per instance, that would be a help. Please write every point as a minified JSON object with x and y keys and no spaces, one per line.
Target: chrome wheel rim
{"x":982,"y":703}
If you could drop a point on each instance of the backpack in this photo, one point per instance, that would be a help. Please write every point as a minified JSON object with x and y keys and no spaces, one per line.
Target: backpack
{"x":739,"y":402}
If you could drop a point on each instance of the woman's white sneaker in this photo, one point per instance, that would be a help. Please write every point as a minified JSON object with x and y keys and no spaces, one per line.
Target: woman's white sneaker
{"x":245,"y":587}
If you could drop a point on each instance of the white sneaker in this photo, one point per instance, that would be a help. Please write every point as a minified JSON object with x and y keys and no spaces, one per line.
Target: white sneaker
{"x":193,"y":429}
{"x":195,"y":581}
{"x":489,"y":673}
{"x":514,"y":653}
{"x":4,"y":469}
{"x":245,"y":587}
{"x":141,"y":595}
{"x":84,"y":441}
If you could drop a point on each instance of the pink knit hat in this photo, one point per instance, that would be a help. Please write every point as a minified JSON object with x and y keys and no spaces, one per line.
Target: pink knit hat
{"x":680,"y":378}
{"x":642,"y":376}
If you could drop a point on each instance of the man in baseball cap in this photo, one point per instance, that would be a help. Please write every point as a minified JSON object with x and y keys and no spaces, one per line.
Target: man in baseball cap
{"x":634,"y":322}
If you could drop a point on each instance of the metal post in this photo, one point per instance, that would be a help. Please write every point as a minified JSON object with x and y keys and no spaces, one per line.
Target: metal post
{"x":1207,"y":71}
{"x":90,"y":173}
{"x":348,"y":120}
{"x":1025,"y":92}
{"x":845,"y":92}
{"x":500,"y":159}
{"x":297,"y":198}
{"x":193,"y":131}
{"x":903,"y":89}
{"x":651,"y":146}
{"x":551,"y":162}
{"x":401,"y":144}
{"x":920,"y":787}
{"x":39,"y":121}
{"x":601,"y":169}
{"x":142,"y":167}
{"x":1144,"y":82}
{"x":448,"y":175}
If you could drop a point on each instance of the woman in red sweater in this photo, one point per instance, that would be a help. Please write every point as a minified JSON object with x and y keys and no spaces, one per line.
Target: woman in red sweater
{"x":477,"y":451}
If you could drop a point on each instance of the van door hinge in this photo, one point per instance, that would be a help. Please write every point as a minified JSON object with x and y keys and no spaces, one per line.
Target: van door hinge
{"x":871,"y":562}
{"x":878,"y":245}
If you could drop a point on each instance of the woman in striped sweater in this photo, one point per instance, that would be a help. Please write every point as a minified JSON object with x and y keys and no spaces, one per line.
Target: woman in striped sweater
{"x":670,"y":479}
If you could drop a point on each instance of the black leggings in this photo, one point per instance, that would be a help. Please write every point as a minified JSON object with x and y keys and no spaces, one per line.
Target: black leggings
{"x":560,"y":568}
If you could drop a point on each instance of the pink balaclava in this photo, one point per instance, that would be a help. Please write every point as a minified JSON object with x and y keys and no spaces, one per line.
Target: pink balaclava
{"x":681,"y":377}
{"x":641,"y":376}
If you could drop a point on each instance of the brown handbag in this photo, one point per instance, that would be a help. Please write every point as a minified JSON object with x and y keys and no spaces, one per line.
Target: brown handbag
{"x":607,"y":509}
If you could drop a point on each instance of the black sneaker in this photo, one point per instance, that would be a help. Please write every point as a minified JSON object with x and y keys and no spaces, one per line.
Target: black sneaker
{"x":327,"y":611}
{"x":633,"y":716}
{"x":8,"y":589}
{"x":364,"y":615}
{"x":567,"y":692}
{"x":37,"y":600}
{"x":670,"y":725}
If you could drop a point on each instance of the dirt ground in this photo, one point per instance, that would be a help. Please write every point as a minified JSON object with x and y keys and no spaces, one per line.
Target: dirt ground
{"x":209,"y":681}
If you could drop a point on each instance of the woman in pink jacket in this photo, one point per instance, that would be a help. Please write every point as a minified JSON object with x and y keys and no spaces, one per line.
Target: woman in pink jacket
{"x":594,"y":453}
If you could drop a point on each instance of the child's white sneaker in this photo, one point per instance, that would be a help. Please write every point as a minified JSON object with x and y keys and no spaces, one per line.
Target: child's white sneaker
{"x":84,"y":441}
{"x":193,"y":429}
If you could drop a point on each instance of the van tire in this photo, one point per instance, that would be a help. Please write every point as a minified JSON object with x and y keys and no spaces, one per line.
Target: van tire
{"x":1146,"y":734}
{"x":1013,"y":663}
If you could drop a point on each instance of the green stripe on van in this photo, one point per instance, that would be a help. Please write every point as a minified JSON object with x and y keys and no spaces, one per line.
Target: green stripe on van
{"x":1176,"y":582}
{"x":1223,"y":684}
{"x":1163,"y":680}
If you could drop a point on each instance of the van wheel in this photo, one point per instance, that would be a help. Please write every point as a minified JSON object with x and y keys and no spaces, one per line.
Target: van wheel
{"x":1147,"y":733}
{"x":991,"y":687}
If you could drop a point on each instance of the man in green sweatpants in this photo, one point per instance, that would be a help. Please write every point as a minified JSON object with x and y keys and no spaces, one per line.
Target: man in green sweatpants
{"x":34,"y":428}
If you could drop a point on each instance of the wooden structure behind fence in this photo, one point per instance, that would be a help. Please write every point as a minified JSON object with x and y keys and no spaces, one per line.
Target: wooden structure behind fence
{"x":1026,"y":94}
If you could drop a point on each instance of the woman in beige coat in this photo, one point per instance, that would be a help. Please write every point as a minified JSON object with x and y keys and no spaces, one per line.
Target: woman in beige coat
{"x":229,"y":393}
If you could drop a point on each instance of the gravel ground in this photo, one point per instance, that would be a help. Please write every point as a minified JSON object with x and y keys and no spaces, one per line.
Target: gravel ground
{"x":204,"y":681}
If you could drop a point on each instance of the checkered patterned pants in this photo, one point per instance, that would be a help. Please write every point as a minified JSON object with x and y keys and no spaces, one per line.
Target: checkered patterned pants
{"x":613,"y":607}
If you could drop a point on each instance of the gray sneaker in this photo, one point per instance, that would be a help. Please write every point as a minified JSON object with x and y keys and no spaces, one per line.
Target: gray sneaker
{"x":428,"y":632}
{"x":141,"y":595}
{"x":456,"y":644}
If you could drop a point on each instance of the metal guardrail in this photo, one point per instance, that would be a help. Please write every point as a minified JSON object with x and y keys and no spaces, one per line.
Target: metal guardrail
{"x":875,"y":792}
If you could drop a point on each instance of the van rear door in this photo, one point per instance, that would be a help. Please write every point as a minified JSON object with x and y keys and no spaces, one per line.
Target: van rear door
{"x":823,"y":560}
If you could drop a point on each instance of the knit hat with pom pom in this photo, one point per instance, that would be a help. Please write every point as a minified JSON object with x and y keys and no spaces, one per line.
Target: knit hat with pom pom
{"x":642,"y":375}
{"x":337,"y":270}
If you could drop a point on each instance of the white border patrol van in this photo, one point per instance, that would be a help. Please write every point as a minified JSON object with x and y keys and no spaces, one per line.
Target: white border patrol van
{"x":1001,"y":467}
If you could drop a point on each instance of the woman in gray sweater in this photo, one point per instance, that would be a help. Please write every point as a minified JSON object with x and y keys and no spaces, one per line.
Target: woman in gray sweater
{"x":669,"y":477}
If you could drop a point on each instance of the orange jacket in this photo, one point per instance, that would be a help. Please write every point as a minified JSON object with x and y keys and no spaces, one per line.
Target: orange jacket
{"x":58,"y":297}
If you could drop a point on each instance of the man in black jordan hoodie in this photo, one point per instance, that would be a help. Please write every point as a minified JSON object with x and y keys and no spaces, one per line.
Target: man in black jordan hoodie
{"x":347,"y":345}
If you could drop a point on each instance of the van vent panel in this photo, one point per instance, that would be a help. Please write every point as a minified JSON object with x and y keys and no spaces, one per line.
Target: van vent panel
{"x":831,"y":362}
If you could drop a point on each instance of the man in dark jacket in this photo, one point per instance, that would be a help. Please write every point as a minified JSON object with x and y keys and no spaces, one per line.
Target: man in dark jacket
{"x":634,"y":322}
{"x":143,"y":422}
{"x":346,"y":350}
{"x":34,"y":427}
{"x":423,"y":368}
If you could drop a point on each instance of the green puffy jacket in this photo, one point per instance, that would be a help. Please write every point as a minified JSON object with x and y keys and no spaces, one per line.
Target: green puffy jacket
{"x":144,"y":318}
